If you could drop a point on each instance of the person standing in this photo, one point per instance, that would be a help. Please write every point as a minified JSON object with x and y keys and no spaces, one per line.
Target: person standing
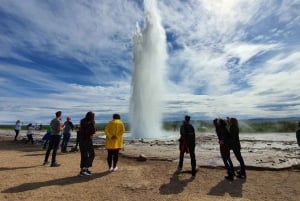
{"x":235,"y":145}
{"x":30,"y":131}
{"x":66,"y":134}
{"x":223,"y":137}
{"x":114,"y":132}
{"x":17,"y":129}
{"x":187,"y":143}
{"x":87,"y":153}
{"x":56,"y":128}
{"x":298,"y":134}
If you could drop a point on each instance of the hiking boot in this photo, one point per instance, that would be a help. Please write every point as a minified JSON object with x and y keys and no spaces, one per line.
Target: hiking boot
{"x":55,"y":165}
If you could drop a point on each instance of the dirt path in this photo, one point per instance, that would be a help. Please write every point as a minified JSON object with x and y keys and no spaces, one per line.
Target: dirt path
{"x":24,"y":178}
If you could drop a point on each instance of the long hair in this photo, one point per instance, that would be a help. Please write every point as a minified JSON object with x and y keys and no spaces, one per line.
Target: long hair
{"x":90,"y":117}
{"x":233,"y":121}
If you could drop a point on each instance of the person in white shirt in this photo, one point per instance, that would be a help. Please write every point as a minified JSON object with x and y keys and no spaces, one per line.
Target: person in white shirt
{"x":17,"y":129}
{"x":30,"y":130}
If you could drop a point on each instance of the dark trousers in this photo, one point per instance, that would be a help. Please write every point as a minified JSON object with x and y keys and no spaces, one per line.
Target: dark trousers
{"x":17,"y":133}
{"x":237,"y":152}
{"x":87,"y":153}
{"x":298,"y":137}
{"x":29,"y":139}
{"x":225,"y":154}
{"x":65,"y":141}
{"x":191,"y":149}
{"x":53,"y":145}
{"x":112,"y":158}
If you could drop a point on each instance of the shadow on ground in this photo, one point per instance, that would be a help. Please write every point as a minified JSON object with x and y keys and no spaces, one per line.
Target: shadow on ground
{"x":175,"y":186}
{"x":233,"y":188}
{"x":62,"y":182}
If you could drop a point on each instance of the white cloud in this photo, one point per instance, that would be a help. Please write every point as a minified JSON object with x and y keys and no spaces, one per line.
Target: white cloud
{"x":225,"y":57}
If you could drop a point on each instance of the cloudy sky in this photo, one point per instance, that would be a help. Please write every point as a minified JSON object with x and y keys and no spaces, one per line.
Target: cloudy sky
{"x":225,"y":57}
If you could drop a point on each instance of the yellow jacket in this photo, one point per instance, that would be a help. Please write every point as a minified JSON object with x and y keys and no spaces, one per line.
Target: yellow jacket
{"x":114,"y":131}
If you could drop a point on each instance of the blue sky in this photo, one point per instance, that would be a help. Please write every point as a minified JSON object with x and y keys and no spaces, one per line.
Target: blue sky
{"x":226,"y":58}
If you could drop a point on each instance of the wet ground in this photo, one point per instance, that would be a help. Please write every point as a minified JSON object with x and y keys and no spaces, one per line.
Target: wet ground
{"x":260,"y":150}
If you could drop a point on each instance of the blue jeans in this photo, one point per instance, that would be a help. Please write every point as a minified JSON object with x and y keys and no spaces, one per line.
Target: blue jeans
{"x":65,"y":141}
{"x":225,"y":154}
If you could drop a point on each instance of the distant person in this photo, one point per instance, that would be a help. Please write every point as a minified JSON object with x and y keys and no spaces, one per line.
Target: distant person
{"x":235,"y":145}
{"x":87,"y":153}
{"x":56,"y":128}
{"x":17,"y":129}
{"x":223,"y":137}
{"x":30,"y":131}
{"x":114,"y":132}
{"x":75,"y":148}
{"x":187,"y":144}
{"x":298,"y":134}
{"x":46,"y":138}
{"x":66,"y":134}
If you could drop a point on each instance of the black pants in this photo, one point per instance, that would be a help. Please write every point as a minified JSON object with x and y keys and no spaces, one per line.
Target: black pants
{"x":87,"y":153}
{"x":237,"y":152}
{"x":29,"y":139}
{"x":191,"y":148}
{"x":17,"y":133}
{"x":298,"y":137}
{"x":53,"y":145}
{"x":112,"y":158}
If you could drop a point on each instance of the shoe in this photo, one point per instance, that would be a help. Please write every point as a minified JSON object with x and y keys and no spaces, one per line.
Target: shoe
{"x":229,"y":177}
{"x":179,"y":169}
{"x":115,"y":169}
{"x":81,"y":174}
{"x":241,"y":176}
{"x":84,"y":173}
{"x":111,"y":169}
{"x":46,"y":163}
{"x":55,"y":165}
{"x":89,"y":172}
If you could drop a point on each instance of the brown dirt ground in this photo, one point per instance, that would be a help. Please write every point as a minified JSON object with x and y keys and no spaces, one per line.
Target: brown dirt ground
{"x":24,"y":178}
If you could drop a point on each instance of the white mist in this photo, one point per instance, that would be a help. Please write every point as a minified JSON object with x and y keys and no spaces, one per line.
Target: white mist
{"x":149,"y":65}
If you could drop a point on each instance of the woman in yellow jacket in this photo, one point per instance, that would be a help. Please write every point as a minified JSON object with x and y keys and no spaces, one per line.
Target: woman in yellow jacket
{"x":114,"y":131}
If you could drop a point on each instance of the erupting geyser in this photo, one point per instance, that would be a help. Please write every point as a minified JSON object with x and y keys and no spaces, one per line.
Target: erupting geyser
{"x":149,"y":65}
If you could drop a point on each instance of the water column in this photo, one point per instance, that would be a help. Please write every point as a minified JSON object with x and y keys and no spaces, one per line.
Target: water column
{"x":148,"y":79}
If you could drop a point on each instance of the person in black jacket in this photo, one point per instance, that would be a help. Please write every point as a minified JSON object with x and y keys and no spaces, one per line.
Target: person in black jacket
{"x":298,"y":134}
{"x":224,"y":137}
{"x":187,"y":144}
{"x":235,"y":146}
{"x":87,"y":130}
